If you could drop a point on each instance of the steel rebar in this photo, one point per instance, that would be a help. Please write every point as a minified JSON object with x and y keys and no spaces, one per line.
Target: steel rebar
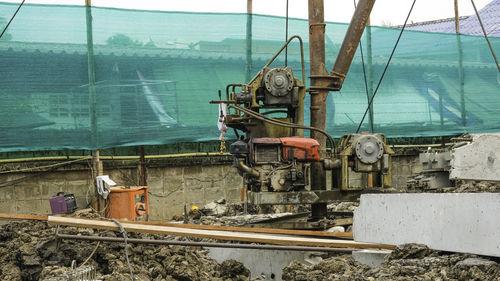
{"x":203,"y":244}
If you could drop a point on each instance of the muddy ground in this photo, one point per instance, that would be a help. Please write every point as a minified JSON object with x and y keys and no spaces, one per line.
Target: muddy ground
{"x":28,"y":252}
{"x":408,"y":262}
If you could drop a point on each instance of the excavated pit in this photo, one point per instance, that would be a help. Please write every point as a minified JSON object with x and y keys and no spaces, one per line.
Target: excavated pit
{"x":28,"y":251}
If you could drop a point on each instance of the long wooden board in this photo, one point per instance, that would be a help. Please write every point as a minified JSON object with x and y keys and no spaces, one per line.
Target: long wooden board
{"x":215,"y":234}
{"x":23,"y":217}
{"x":253,"y":229}
{"x":205,"y":227}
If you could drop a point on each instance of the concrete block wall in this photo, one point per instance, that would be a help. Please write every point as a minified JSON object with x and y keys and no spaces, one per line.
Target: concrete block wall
{"x":172,"y":184}
{"x":32,"y":195}
{"x":170,"y":187}
{"x":403,"y":167}
{"x":173,"y":187}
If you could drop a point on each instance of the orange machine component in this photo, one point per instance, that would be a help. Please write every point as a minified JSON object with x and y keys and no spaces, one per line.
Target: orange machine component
{"x":300,"y":148}
{"x":128,"y":203}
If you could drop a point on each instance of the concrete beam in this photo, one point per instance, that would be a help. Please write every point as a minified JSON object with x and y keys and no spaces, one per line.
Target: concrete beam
{"x":456,"y":222}
{"x":266,"y":264}
{"x":478,"y":160}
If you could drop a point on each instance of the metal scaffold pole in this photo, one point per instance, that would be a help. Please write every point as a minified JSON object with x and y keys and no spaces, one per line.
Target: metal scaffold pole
{"x":96,"y":163}
{"x":248,"y":75}
{"x":460,"y":66}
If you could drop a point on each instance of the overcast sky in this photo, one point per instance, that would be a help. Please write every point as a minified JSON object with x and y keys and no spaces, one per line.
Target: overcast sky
{"x":385,"y":11}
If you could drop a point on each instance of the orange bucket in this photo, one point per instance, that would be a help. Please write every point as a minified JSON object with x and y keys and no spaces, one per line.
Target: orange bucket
{"x":128,"y":203}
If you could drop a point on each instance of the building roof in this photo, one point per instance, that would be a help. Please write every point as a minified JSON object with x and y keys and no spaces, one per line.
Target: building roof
{"x":490,"y":16}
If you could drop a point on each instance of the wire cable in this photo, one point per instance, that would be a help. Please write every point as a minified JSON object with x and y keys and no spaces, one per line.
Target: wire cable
{"x":11,"y":19}
{"x":386,"y":66}
{"x":42,"y":167}
{"x":125,"y":238}
{"x":485,"y":34}
{"x":91,"y":254}
{"x":282,"y":123}
{"x":34,"y":175}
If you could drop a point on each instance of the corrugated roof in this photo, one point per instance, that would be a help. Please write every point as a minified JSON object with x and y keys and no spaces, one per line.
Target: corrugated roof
{"x":490,"y":16}
{"x":434,"y":25}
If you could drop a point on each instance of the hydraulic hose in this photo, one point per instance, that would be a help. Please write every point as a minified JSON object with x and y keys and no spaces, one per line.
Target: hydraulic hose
{"x":282,"y":123}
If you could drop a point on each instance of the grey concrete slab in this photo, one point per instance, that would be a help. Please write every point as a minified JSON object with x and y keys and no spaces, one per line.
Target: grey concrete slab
{"x":371,"y":257}
{"x":268,"y":264}
{"x":478,"y":160}
{"x":457,"y":222}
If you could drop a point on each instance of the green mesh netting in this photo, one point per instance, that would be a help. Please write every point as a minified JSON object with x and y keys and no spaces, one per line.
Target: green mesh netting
{"x":156,"y":71}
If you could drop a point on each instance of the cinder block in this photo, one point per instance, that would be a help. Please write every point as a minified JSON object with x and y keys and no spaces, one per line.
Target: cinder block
{"x":74,"y":175}
{"x":156,"y":208}
{"x":234,"y":195}
{"x":155,"y":174}
{"x":192,"y":170}
{"x":233,"y":180}
{"x":214,"y":172}
{"x":156,"y":185}
{"x":195,"y":184}
{"x":172,"y":183}
{"x":30,"y":191}
{"x":215,"y":193}
{"x":5,"y":206}
{"x":172,"y":171}
{"x":43,"y":206}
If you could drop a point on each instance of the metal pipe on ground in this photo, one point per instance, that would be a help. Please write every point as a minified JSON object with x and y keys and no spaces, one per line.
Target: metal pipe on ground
{"x":203,"y":244}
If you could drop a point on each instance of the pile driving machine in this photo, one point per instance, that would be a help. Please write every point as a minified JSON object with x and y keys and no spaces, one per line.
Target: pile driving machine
{"x":281,"y":166}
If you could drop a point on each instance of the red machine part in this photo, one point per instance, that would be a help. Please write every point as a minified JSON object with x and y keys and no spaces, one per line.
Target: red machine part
{"x":306,"y":149}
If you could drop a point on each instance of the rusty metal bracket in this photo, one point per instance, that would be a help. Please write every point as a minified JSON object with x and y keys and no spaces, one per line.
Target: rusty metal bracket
{"x":325,"y":82}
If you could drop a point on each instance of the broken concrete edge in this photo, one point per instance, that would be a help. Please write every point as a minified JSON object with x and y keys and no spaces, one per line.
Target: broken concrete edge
{"x":371,"y":257}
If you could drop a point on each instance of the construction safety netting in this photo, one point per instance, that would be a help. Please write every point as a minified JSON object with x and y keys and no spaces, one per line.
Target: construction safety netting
{"x":131,"y":77}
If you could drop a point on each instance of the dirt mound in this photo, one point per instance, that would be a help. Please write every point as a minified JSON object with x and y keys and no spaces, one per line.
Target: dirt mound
{"x":28,"y":252}
{"x":481,"y":186}
{"x":408,"y":262}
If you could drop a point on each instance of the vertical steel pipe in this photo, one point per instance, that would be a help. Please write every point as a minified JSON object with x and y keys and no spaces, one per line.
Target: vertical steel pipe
{"x":322,"y":82}
{"x":318,"y":96}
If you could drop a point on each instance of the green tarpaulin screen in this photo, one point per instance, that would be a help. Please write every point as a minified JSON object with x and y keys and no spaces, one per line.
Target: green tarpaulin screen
{"x":155,"y":73}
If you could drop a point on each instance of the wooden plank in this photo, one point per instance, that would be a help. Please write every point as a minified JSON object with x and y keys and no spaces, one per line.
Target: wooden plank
{"x":206,"y":227}
{"x":22,"y":217}
{"x":215,"y":234}
{"x":252,"y":229}
{"x":346,"y":221}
